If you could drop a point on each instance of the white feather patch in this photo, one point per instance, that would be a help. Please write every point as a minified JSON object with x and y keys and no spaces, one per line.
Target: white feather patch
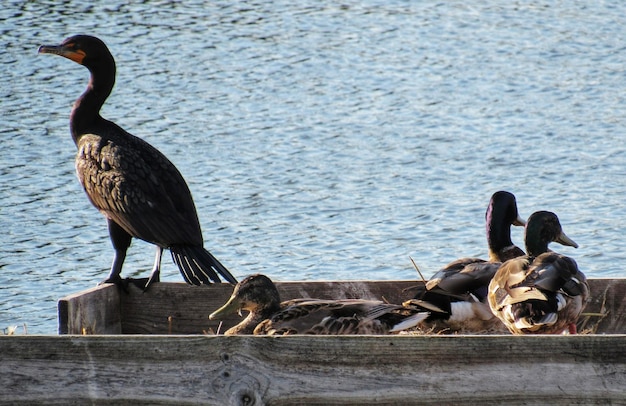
{"x":461,"y":311}
{"x":409,"y":322}
{"x":561,"y":302}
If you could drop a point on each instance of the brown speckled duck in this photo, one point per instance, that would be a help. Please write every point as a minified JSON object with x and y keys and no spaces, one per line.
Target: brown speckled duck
{"x":542,"y":292}
{"x":460,"y":288}
{"x":258,"y":295}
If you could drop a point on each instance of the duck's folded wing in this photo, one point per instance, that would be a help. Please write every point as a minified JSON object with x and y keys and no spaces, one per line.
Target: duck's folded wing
{"x":519,"y":295}
{"x":463,"y":275}
{"x":554,"y":272}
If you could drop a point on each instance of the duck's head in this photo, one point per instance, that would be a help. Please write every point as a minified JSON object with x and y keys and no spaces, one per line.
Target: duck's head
{"x":542,"y":228}
{"x":501,"y":214}
{"x":86,"y":50}
{"x":256,"y":294}
{"x":503,"y":208}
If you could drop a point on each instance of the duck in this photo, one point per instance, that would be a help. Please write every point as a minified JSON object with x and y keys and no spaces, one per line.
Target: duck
{"x":501,"y":214}
{"x":459,"y":289}
{"x":543,"y":292}
{"x":258,"y":295}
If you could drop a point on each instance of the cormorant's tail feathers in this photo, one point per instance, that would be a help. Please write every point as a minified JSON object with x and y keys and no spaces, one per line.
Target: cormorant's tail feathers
{"x":198,"y":266}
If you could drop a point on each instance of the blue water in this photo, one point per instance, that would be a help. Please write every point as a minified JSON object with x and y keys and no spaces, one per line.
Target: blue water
{"x":320,"y":139}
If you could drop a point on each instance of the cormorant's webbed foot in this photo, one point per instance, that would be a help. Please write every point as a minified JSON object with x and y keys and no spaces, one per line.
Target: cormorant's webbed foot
{"x":122,"y":284}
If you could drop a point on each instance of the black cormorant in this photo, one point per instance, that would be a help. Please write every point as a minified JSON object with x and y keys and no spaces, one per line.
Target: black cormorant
{"x":137,"y":189}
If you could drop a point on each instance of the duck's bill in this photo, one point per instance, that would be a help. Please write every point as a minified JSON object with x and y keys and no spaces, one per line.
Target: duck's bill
{"x":565,"y":240}
{"x":232,"y":306}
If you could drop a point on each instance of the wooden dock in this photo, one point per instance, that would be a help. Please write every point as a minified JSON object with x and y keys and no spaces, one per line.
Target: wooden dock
{"x":159,"y":348}
{"x":178,"y":308}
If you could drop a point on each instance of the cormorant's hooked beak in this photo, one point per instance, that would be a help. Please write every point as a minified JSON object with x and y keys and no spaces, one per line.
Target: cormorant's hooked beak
{"x":65,"y":50}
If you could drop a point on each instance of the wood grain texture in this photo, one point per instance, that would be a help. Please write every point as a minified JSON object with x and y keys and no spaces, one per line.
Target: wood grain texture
{"x":92,"y":311}
{"x":182,"y":309}
{"x":607,"y":297}
{"x":247,"y":370}
{"x":178,"y":308}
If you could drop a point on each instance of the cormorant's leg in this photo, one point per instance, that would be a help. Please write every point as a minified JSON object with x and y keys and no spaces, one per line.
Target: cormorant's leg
{"x":121,"y":241}
{"x":155,"y":276}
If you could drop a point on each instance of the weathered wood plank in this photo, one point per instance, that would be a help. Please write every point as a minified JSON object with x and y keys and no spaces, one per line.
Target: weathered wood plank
{"x":177,"y":308}
{"x":608,"y":297}
{"x":582,"y":369}
{"x":93,"y":311}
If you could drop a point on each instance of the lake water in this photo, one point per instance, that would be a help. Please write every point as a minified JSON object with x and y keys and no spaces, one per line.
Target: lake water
{"x":320,"y":139}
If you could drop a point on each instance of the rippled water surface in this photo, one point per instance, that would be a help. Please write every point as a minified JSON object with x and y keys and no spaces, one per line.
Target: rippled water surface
{"x":320,"y":139}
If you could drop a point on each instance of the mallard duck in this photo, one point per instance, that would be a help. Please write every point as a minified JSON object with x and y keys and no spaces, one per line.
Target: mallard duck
{"x":460,"y":288}
{"x":258,"y":295}
{"x":542,"y":292}
{"x":461,"y":305}
{"x":501,"y":214}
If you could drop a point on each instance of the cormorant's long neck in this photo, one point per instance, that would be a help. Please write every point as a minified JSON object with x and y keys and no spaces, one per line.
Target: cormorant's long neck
{"x":86,"y":110}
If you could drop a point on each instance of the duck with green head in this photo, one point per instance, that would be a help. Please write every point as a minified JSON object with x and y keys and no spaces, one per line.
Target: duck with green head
{"x":542,"y":292}
{"x":459,"y":289}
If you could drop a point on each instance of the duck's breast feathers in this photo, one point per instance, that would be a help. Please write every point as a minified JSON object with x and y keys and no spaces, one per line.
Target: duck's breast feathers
{"x":136,"y":186}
